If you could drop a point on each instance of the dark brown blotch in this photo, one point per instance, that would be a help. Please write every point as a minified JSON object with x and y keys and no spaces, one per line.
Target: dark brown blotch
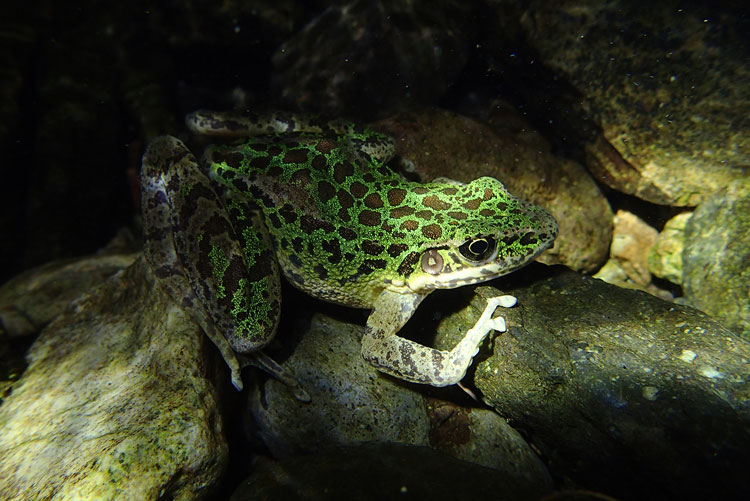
{"x":297,"y":244}
{"x":376,"y":264}
{"x":260,"y":163}
{"x":326,"y":191}
{"x":341,"y":171}
{"x":407,"y":265}
{"x":434,"y":202}
{"x":296,"y":156}
{"x":325,"y":146}
{"x":396,"y":196}
{"x":347,"y":233}
{"x":301,"y":176}
{"x":369,"y":218}
{"x":395,"y":250}
{"x":400,"y":212}
{"x":529,"y":238}
{"x":358,"y":189}
{"x":275,"y":171}
{"x":472,"y":204}
{"x":432,"y":231}
{"x":232,"y":158}
{"x":409,"y":225}
{"x":309,"y":224}
{"x":288,"y":213}
{"x":319,"y":163}
{"x":275,"y":221}
{"x":372,"y":248}
{"x":345,"y":199}
{"x":333,"y":249}
{"x":373,"y":201}
{"x":321,"y":271}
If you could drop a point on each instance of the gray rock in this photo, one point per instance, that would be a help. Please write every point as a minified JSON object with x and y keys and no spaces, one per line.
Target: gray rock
{"x":382,"y":471}
{"x":350,"y":401}
{"x":716,"y":257}
{"x":32,"y":299}
{"x":115,"y":402}
{"x":623,"y":392}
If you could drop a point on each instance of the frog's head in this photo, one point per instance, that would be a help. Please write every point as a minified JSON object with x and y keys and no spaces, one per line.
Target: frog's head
{"x":476,"y":232}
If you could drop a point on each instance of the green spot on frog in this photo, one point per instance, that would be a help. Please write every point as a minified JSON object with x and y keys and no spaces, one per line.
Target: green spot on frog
{"x":250,"y":310}
{"x":219,"y":265}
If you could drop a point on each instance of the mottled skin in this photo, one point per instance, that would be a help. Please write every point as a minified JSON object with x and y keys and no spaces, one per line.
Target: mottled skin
{"x":316,"y":203}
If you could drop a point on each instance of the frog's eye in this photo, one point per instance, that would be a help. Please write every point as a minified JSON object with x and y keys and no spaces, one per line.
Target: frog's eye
{"x":478,"y":249}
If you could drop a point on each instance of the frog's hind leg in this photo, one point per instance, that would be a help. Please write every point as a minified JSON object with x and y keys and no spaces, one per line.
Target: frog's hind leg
{"x":268,"y":365}
{"x":209,"y":259}
{"x":412,"y":361}
{"x":235,"y":124}
{"x":363,"y":144}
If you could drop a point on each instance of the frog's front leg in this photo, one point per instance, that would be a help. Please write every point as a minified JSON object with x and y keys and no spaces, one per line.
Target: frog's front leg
{"x":411,"y":361}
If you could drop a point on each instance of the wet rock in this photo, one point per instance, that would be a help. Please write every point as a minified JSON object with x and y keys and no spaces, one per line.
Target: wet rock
{"x":665,"y":258}
{"x":381,"y":471}
{"x":716,"y":258}
{"x":663,"y":90}
{"x":623,"y":392}
{"x":482,"y":436}
{"x":115,"y":402}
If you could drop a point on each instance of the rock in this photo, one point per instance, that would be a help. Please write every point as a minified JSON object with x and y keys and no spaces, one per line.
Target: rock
{"x":115,"y":402}
{"x":373,"y":56}
{"x":622,"y":392}
{"x":352,"y":403}
{"x":381,"y":471}
{"x":665,"y":258}
{"x":34,"y":298}
{"x":632,"y":241}
{"x":443,"y":144}
{"x":716,"y":258}
{"x":663,"y":91}
{"x":483,"y":437}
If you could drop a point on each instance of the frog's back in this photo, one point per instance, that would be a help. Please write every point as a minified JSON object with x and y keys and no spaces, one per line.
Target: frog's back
{"x":322,"y":199}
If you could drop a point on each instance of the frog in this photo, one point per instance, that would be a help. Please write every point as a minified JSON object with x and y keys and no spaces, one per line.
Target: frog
{"x":317,"y":202}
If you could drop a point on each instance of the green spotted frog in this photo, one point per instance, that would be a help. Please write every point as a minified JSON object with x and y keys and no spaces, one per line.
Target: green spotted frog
{"x":316,"y":202}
